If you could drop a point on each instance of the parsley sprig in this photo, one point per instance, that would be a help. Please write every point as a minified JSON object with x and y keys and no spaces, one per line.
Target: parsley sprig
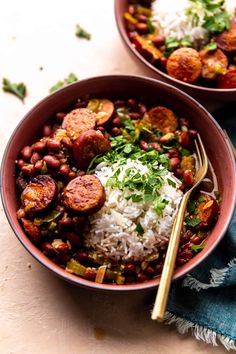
{"x":18,"y":90}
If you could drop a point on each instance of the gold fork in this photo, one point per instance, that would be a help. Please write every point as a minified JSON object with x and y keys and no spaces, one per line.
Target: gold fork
{"x":168,"y":267}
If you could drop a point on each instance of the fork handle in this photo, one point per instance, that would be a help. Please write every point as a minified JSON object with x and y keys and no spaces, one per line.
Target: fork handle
{"x":168,"y":268}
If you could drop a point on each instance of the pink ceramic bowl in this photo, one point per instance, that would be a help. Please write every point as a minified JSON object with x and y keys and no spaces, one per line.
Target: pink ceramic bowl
{"x":119,"y":86}
{"x":211,"y":98}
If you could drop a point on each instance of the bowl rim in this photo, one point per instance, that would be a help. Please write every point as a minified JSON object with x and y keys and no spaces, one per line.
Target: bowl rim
{"x":45,"y":261}
{"x":124,"y":36}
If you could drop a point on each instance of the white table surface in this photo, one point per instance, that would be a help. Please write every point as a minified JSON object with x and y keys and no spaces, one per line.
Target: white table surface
{"x":39,"y":313}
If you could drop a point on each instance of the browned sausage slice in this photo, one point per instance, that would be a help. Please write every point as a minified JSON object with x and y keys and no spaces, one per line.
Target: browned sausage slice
{"x":38,"y":194}
{"x":78,"y":121}
{"x":88,"y":145}
{"x":227,"y":39}
{"x":184,"y":64}
{"x":145,"y":46}
{"x":84,"y":194}
{"x":31,"y":230}
{"x":227,"y":81}
{"x":214,"y":62}
{"x":207,"y":210}
{"x":162,"y":119}
{"x":104,"y":109}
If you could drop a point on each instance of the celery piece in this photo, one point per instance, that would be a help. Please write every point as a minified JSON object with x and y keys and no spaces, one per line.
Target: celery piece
{"x":75,"y":267}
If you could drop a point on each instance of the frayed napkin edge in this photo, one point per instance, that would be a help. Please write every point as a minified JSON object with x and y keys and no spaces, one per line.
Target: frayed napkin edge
{"x":199,"y":332}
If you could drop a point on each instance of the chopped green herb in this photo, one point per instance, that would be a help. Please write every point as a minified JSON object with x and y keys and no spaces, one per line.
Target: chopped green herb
{"x":128,"y":124}
{"x":139,"y":229}
{"x":201,"y":199}
{"x":18,"y":90}
{"x":171,"y":183}
{"x":151,"y":25}
{"x":71,"y":78}
{"x":197,"y":248}
{"x":185,"y":152}
{"x":191,"y":206}
{"x":211,"y":46}
{"x":136,"y":198}
{"x":82,"y":33}
{"x":173,"y":43}
{"x":193,"y":222}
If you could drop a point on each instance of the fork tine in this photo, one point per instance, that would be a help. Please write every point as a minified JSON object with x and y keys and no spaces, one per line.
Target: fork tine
{"x":203,"y":154}
{"x":198,"y":151}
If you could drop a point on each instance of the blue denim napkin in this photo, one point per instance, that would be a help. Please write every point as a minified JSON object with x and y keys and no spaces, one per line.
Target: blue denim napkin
{"x":204,"y":302}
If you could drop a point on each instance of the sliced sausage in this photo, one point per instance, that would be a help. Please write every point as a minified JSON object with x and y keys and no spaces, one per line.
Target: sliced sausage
{"x":228,"y":80}
{"x":184,"y":64}
{"x":144,"y":46}
{"x":31,"y":230}
{"x":214,"y":62}
{"x":21,"y":182}
{"x":84,"y":194}
{"x":88,"y":145}
{"x":207,"y":209}
{"x":104,"y":109}
{"x":163,"y":119}
{"x":38,"y":194}
{"x":227,"y":39}
{"x":78,"y":121}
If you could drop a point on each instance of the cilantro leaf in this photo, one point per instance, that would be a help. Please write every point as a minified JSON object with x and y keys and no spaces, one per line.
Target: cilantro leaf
{"x":201,"y":199}
{"x":171,"y":183}
{"x":191,"y":206}
{"x":18,"y":90}
{"x":82,"y":33}
{"x":197,"y":248}
{"x":139,"y":229}
{"x":193,"y":222}
{"x":71,"y":78}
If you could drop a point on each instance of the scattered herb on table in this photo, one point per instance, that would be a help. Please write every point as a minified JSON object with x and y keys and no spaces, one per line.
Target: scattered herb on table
{"x":71,"y":78}
{"x":82,"y":33}
{"x":18,"y":90}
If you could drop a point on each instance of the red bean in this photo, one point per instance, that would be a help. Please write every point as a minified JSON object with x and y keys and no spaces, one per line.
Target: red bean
{"x":186,"y":254}
{"x":64,"y":170}
{"x":184,"y":139}
{"x":142,"y":18}
{"x":159,"y":40}
{"x":115,"y":131}
{"x":141,"y":277}
{"x":131,"y":103}
{"x":62,"y":259}
{"x":150,"y":270}
{"x":53,"y":145}
{"x":163,"y":62}
{"x":196,"y":240}
{"x":143,"y":145}
{"x":81,"y":173}
{"x":51,"y":161}
{"x":62,"y":248}
{"x":186,"y":237}
{"x":116,"y":122}
{"x":184,"y":122}
{"x":39,"y":146}
{"x":60,"y":116}
{"x":67,"y":143}
{"x":65,"y":223}
{"x":90,"y":274}
{"x":188,"y":177}
{"x":192,"y":133}
{"x":119,"y":103}
{"x":174,"y":163}
{"x":38,"y":166}
{"x":133,"y":35}
{"x":48,"y":249}
{"x":155,"y":146}
{"x":142,"y":108}
{"x":27,"y":152}
{"x":21,"y":163}
{"x":72,"y":175}
{"x":130,"y":268}
{"x":174,"y":153}
{"x":141,"y":27}
{"x":28,"y":170}
{"x":82,"y":257}
{"x":102,"y":129}
{"x":180,"y":261}
{"x":35,"y":157}
{"x":179,"y":173}
{"x":74,"y":239}
{"x":131,"y":9}
{"x":47,"y":130}
{"x":134,"y":115}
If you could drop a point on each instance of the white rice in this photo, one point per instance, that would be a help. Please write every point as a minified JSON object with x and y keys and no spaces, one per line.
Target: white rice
{"x":174,"y":22}
{"x":113,"y":229}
